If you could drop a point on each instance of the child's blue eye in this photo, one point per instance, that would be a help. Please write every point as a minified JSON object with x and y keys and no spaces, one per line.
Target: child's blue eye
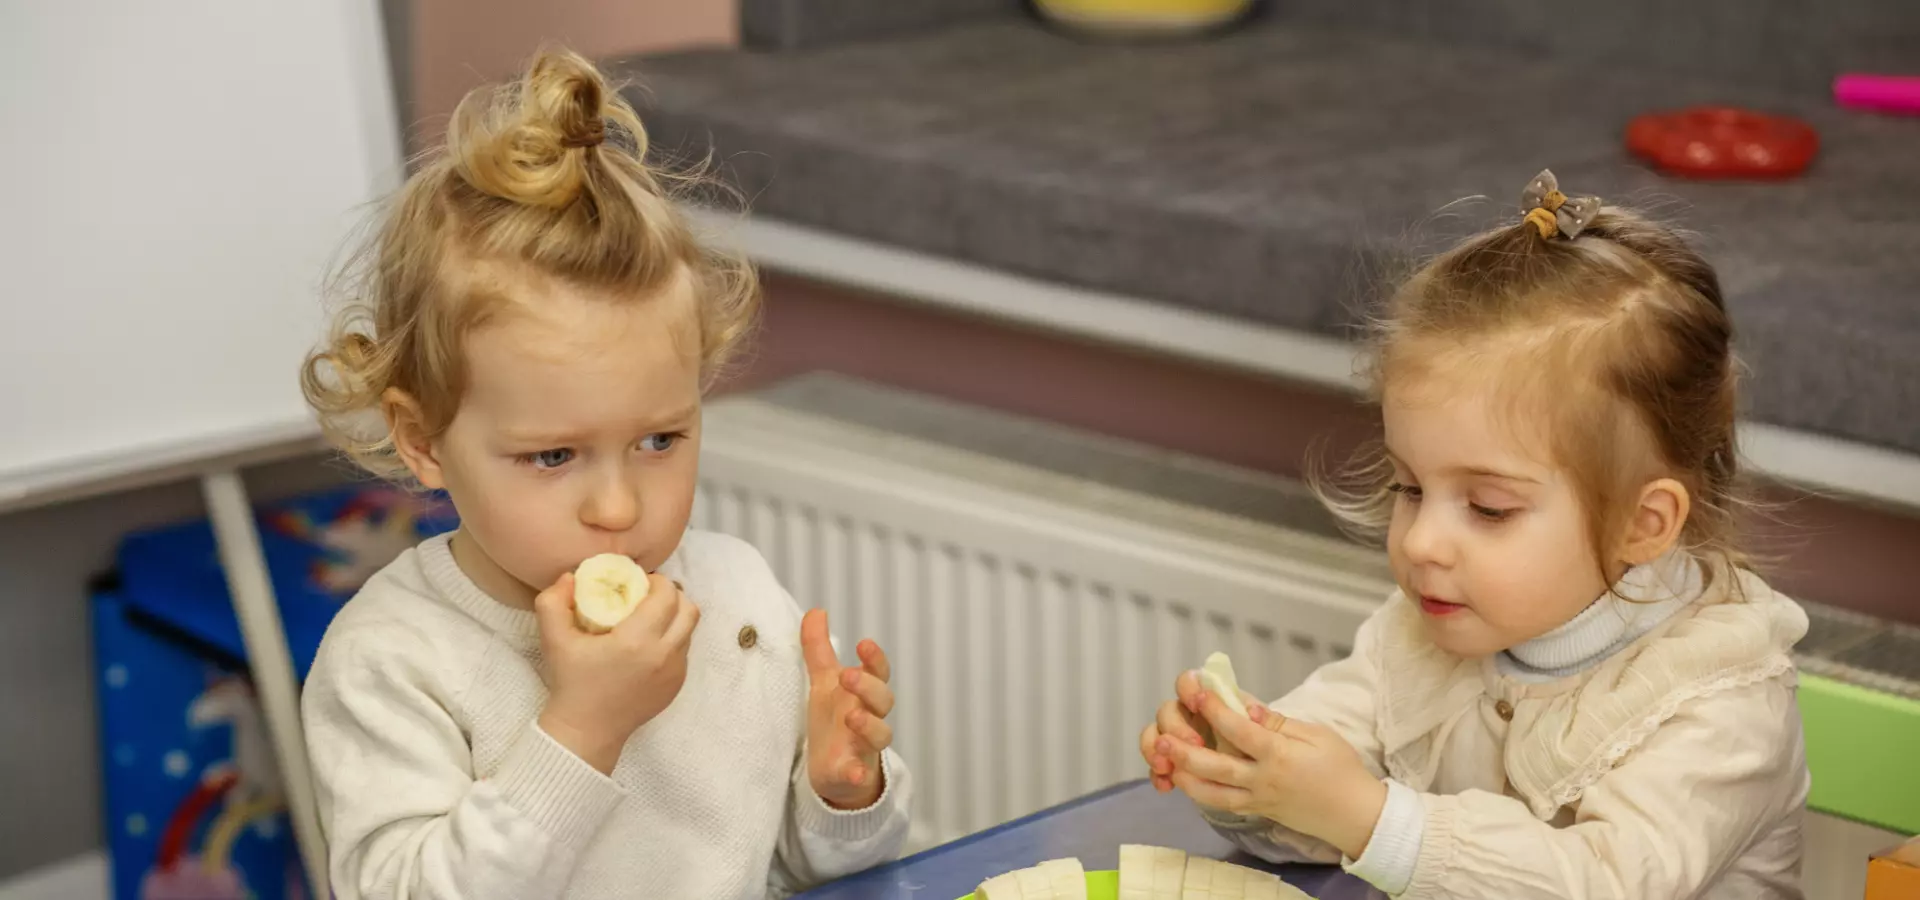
{"x":658,"y":443}
{"x":549,"y":459}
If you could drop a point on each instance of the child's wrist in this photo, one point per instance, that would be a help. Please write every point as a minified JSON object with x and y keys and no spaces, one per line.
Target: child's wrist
{"x":1354,"y":830}
{"x":594,"y":746}
{"x":850,"y":799}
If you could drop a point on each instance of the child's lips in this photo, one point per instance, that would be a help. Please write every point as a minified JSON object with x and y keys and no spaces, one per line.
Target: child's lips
{"x":1434,"y":606}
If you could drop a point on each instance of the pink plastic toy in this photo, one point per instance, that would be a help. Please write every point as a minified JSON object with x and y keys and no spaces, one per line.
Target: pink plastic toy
{"x":1886,"y":93}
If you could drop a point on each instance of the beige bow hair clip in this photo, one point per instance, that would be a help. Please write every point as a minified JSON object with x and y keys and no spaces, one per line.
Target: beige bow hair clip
{"x":1553,"y":212}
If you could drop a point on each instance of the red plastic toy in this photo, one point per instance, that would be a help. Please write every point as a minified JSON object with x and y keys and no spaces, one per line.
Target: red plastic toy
{"x":1723,"y":142}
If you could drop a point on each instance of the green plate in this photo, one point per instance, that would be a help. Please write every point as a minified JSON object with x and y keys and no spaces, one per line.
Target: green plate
{"x":1100,"y":886}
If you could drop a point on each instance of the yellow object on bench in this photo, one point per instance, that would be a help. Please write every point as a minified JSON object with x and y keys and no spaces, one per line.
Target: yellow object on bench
{"x":1144,"y":17}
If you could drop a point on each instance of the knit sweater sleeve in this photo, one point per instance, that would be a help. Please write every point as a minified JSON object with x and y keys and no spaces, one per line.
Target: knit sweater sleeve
{"x":404,"y":814}
{"x":819,"y":843}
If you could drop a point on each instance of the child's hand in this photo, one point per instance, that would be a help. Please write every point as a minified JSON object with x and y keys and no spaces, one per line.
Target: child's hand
{"x":603,"y":687}
{"x":1179,"y":721}
{"x":1299,"y":774}
{"x":846,"y":718}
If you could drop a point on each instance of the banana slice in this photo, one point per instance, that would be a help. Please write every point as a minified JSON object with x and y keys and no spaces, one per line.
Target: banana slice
{"x":1146,"y":873}
{"x":1001,"y":887}
{"x":1151,"y":873}
{"x":1055,"y":879}
{"x":1217,"y":677}
{"x":1066,"y":877}
{"x":1208,"y":879}
{"x":606,"y":588}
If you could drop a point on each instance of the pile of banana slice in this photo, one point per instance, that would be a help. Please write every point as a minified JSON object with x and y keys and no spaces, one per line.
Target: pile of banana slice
{"x":1154,"y":873}
{"x":1146,"y":873}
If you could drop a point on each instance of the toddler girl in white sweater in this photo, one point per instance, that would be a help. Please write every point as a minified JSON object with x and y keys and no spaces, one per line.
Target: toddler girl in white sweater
{"x":532,"y":333}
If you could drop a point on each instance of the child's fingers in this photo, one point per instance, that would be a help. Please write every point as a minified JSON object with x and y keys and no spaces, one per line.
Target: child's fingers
{"x":816,"y":646}
{"x":1173,"y":722}
{"x":872,"y":691}
{"x":1235,"y":728}
{"x":553,"y":608}
{"x":1210,"y":764}
{"x":1158,"y":765}
{"x":654,"y":613}
{"x":870,"y":729}
{"x":874,"y":659}
{"x":1265,"y":717}
{"x":1212,"y":794}
{"x":1187,"y":688}
{"x":685,"y":617}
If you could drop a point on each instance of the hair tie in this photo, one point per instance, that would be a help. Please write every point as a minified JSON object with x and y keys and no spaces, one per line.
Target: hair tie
{"x":1553,"y":212}
{"x":596,"y":132}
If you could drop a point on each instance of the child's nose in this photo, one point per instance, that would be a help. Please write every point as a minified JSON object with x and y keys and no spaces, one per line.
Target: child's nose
{"x":614,"y":505}
{"x":1425,"y":542}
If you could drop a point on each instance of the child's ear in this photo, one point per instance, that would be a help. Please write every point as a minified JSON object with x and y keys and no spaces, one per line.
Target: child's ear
{"x":1657,"y":520}
{"x":410,"y":441}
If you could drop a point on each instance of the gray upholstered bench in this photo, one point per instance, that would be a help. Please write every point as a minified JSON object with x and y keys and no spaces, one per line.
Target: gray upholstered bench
{"x":1281,"y":174}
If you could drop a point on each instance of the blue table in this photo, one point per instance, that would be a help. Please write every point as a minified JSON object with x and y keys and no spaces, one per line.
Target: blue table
{"x":1091,"y":828}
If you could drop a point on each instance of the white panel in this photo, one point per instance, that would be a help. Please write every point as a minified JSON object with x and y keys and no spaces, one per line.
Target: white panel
{"x":185,"y":174}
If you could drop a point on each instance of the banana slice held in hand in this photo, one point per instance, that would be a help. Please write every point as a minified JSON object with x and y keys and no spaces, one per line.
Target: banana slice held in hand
{"x":606,"y":588}
{"x":1216,"y":675}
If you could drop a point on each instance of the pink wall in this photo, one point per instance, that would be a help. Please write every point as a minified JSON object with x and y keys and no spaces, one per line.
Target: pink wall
{"x":459,"y":44}
{"x":1831,"y":552}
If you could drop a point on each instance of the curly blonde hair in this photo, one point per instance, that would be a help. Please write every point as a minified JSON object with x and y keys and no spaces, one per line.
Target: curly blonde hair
{"x":547,"y":176}
{"x":1616,"y":343}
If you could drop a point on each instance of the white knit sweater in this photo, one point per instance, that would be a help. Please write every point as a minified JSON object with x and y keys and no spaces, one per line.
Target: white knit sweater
{"x":435,"y":782}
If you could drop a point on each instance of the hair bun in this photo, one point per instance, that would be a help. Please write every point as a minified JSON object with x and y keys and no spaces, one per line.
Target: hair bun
{"x":517,"y":142}
{"x":568,"y":93}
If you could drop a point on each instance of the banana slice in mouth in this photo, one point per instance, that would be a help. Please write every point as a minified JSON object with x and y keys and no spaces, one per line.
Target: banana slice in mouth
{"x":606,"y":588}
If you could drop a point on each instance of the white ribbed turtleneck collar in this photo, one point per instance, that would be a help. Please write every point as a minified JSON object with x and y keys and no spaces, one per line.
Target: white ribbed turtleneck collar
{"x":1643,"y":598}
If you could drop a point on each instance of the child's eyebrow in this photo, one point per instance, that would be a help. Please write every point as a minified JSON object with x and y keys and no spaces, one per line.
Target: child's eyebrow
{"x":544,"y":438}
{"x":674,"y":417}
{"x":558,"y":437}
{"x":1470,"y":471}
{"x":1484,"y":472}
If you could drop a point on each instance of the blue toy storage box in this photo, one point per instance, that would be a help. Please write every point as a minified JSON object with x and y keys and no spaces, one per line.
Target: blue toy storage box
{"x":193,"y":796}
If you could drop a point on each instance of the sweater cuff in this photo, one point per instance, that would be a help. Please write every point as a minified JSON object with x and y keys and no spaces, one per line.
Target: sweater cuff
{"x":849,"y":824}
{"x":1394,"y":849}
{"x":1437,"y":845}
{"x":555,"y":789}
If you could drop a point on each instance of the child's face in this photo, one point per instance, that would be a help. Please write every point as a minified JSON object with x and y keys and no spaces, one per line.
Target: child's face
{"x":579,"y":434}
{"x":1487,"y":537}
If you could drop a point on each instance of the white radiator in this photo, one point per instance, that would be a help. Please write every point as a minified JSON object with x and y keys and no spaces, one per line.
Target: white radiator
{"x":1036,"y":620}
{"x":1038,"y":610}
